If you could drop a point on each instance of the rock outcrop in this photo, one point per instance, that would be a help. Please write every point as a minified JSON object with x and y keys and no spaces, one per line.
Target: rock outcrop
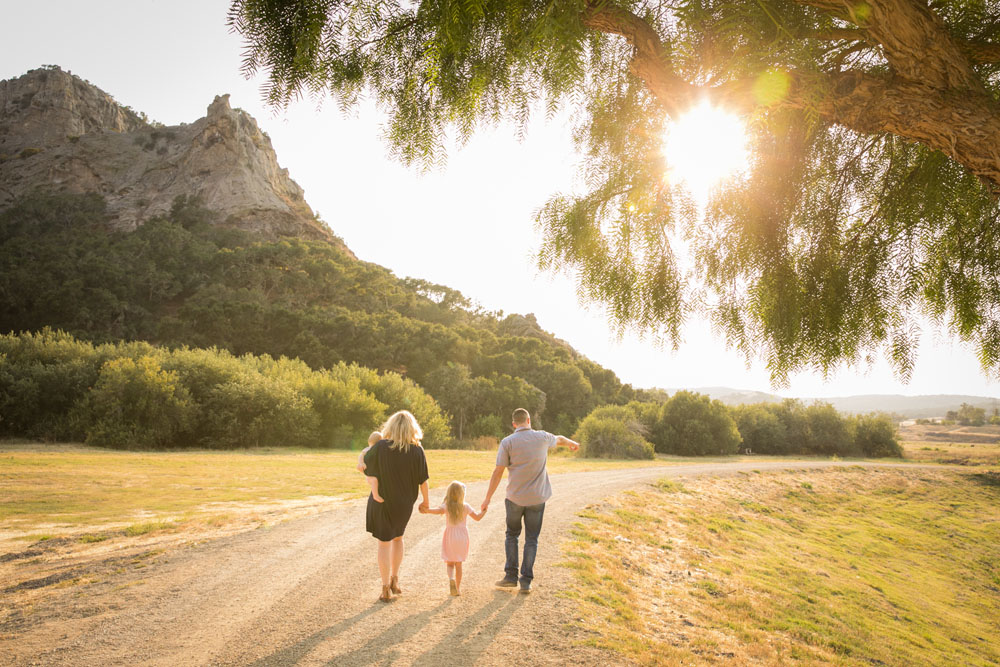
{"x":60,"y":133}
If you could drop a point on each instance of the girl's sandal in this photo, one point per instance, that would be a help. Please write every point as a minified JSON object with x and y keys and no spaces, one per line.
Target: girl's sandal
{"x":453,"y":586}
{"x":394,"y":586}
{"x":386,"y":595}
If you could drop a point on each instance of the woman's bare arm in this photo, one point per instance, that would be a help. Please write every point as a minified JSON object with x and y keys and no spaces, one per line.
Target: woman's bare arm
{"x":425,"y":492}
{"x":373,"y":484}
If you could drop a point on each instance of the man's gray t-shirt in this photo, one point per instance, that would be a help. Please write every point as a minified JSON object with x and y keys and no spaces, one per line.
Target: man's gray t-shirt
{"x":524,"y":453}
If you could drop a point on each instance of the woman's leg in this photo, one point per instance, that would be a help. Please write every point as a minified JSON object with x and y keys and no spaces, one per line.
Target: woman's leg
{"x":397,"y":555}
{"x":384,"y":560}
{"x":458,"y":574}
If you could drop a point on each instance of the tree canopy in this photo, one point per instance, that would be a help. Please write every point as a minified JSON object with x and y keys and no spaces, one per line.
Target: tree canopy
{"x":871,"y":196}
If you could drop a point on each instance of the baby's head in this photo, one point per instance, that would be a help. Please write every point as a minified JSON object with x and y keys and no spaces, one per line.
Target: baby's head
{"x":454,"y":500}
{"x":374,"y":437}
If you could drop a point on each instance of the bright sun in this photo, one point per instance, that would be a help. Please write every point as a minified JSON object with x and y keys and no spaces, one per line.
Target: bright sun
{"x":704,"y":147}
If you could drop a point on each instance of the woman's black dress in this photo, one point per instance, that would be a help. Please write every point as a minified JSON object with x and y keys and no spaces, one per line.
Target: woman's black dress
{"x":400,"y":475}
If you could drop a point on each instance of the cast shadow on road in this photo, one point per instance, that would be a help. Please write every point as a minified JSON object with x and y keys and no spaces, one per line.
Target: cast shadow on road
{"x":379,"y":649}
{"x":291,"y":655}
{"x":466,"y":643}
{"x":463,"y":645}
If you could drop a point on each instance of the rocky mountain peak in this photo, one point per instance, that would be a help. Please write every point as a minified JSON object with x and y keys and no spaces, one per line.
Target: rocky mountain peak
{"x":47,"y":105}
{"x":63,"y":134}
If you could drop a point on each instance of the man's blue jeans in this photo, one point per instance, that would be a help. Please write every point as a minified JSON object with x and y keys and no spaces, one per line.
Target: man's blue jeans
{"x":532,"y":517}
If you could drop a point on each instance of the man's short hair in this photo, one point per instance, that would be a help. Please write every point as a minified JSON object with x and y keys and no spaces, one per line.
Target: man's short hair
{"x":521,"y":416}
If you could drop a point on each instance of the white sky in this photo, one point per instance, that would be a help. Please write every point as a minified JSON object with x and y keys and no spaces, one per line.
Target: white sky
{"x":468,"y":226}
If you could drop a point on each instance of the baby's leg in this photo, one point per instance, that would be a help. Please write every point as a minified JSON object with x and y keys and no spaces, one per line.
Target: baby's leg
{"x":458,"y":575}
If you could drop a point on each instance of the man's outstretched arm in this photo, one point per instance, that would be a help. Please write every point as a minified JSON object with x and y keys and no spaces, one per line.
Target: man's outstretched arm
{"x":494,"y":483}
{"x":563,"y":441}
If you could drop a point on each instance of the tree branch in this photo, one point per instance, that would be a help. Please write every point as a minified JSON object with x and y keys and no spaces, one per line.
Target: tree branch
{"x":651,"y":59}
{"x":915,"y":41}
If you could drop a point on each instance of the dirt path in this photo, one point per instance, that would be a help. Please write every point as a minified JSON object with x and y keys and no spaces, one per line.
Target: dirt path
{"x":303,"y":592}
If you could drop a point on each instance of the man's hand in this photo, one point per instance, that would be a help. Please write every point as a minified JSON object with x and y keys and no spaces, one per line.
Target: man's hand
{"x":563,"y":441}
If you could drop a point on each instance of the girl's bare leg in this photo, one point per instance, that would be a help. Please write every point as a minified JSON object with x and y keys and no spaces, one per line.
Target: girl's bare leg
{"x":451,"y":570}
{"x":384,"y":560}
{"x":397,"y":556}
{"x":458,"y":575}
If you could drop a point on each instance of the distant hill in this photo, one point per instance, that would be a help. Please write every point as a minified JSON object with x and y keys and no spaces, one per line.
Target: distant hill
{"x":914,"y":407}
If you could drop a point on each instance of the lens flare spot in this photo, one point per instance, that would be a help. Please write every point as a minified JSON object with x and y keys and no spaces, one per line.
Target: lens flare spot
{"x":771,"y":87}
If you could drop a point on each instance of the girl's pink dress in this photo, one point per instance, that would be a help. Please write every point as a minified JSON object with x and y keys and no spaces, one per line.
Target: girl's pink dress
{"x":455,"y":545}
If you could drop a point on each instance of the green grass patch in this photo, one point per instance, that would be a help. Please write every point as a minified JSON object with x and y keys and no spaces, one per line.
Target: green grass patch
{"x":859,"y":567}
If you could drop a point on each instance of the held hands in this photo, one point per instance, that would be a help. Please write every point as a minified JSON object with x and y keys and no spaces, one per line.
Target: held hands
{"x":377,"y":498}
{"x":423,"y":507}
{"x":362,"y":467}
{"x":485,"y":506}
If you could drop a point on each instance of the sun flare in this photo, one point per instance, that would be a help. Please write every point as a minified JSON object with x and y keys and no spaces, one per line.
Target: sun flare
{"x":704,"y":147}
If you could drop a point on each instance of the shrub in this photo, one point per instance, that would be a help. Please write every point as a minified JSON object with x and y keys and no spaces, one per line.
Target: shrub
{"x":490,"y":426}
{"x":694,"y":425}
{"x":612,"y":432}
{"x":483,"y":443}
{"x":137,"y":404}
{"x":253,"y":410}
{"x":42,"y":376}
{"x":346,"y":413}
{"x":137,"y":395}
{"x":875,"y":435}
{"x":762,"y":430}
{"x":830,"y":433}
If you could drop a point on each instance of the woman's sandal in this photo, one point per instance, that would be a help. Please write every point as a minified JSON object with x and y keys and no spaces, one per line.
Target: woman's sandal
{"x":386,"y":595}
{"x":394,"y":586}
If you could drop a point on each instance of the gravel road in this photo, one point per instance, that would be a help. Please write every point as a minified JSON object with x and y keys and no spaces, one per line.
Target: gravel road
{"x":304,"y":592}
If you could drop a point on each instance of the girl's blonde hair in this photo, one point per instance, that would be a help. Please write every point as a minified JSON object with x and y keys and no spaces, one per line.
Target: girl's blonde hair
{"x":454,"y":500}
{"x":402,"y":428}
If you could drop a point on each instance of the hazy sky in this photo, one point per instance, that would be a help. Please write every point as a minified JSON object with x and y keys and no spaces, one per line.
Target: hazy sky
{"x":468,"y":225}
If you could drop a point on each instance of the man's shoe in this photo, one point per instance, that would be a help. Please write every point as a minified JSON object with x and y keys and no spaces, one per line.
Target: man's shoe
{"x":525,"y":588}
{"x":507,"y":583}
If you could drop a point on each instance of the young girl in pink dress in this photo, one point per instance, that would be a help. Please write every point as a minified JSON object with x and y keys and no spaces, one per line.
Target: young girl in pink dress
{"x":455,"y":544}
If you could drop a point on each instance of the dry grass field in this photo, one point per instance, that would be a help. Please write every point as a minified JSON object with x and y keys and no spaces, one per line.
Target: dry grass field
{"x":861,"y":566}
{"x":957,"y":445}
{"x":49,"y":491}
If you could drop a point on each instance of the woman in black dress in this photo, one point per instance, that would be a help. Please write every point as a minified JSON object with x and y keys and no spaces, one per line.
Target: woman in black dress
{"x":398,"y":464}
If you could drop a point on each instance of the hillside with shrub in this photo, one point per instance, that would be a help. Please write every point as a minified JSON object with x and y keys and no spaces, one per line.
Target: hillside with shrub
{"x":180,"y":280}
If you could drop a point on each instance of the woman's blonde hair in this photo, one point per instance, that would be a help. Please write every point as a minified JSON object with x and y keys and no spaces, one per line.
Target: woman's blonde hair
{"x":454,"y":500}
{"x":402,"y":428}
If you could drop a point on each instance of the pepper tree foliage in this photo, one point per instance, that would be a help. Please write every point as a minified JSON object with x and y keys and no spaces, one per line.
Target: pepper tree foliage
{"x":869,"y":203}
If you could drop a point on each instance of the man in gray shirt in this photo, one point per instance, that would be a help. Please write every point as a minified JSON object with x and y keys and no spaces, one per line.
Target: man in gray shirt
{"x":524,"y":453}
